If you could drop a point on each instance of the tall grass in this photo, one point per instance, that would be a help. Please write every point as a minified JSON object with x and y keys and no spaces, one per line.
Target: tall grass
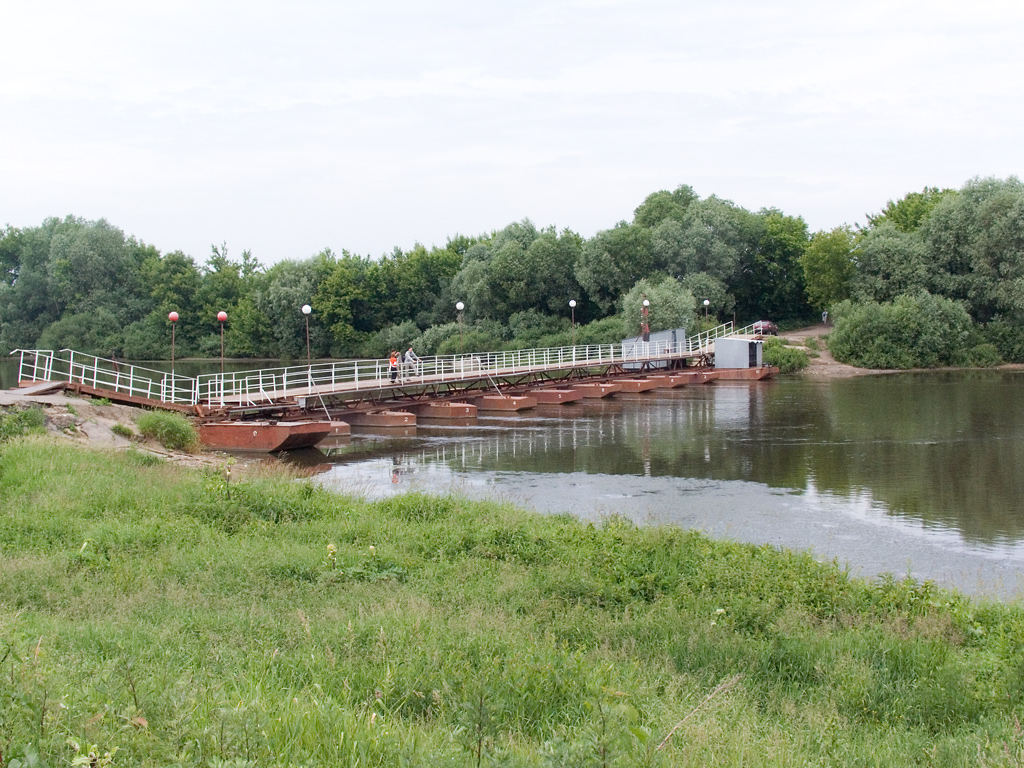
{"x":168,"y":617}
{"x":172,"y":430}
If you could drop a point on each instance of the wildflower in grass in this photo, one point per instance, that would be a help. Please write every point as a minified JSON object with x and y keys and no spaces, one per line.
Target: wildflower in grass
{"x":332,"y":555}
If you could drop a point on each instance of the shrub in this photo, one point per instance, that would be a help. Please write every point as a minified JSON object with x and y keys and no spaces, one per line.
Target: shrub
{"x":470,"y":341}
{"x":392,"y":337}
{"x":18,"y":423}
{"x":914,"y":331}
{"x":1008,"y":339}
{"x":428,"y":342}
{"x":123,"y":431}
{"x":786,"y":359}
{"x":985,"y":356}
{"x":607,"y":330}
{"x":171,"y":430}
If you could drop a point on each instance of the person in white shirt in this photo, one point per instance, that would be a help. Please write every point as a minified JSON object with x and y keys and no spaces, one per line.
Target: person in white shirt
{"x":411,"y":362}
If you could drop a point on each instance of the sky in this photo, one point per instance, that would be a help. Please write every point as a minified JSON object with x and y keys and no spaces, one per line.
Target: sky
{"x":287,"y":128}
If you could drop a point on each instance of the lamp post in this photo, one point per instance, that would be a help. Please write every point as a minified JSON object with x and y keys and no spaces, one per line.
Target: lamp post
{"x":173,"y":317}
{"x":306,"y":309}
{"x":460,"y":306}
{"x":222,"y":317}
{"x":572,"y":308}
{"x":645,"y":328}
{"x":707,"y":303}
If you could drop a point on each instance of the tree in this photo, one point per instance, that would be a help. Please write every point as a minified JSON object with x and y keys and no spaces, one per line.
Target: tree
{"x":772,"y":282}
{"x":910,"y":212}
{"x":704,"y":286}
{"x":715,"y":233}
{"x":540,"y":277}
{"x":346,"y":300}
{"x":289,"y":285}
{"x":975,"y":241}
{"x":663,"y":205}
{"x":890,"y":262}
{"x":829,"y":268}
{"x":613,"y":261}
{"x":26,"y":306}
{"x":672,"y":306}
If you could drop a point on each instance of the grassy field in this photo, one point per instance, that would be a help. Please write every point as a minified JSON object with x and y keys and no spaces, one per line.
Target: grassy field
{"x":157,"y":616}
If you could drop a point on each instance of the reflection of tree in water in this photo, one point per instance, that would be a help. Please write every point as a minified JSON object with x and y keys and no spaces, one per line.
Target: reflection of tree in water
{"x":941,"y":448}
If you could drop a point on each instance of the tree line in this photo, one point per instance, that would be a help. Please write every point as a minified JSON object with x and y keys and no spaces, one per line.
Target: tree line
{"x":954,"y":257}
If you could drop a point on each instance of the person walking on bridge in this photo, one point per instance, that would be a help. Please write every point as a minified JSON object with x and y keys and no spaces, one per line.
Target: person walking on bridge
{"x":393,"y":364}
{"x":411,"y":361}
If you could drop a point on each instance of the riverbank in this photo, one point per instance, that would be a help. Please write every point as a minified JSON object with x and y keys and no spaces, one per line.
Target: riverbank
{"x":166,"y":617}
{"x":101,"y":425}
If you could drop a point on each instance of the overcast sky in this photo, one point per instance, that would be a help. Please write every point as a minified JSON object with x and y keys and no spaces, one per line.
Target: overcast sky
{"x":285,"y":128}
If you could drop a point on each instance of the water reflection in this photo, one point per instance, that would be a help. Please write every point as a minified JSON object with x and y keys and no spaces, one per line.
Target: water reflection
{"x":877,"y":470}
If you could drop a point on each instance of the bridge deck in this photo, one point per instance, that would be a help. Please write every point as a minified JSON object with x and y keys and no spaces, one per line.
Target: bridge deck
{"x":339,"y":381}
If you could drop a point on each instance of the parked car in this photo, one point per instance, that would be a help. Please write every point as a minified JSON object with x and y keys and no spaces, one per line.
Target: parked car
{"x":766,"y":328}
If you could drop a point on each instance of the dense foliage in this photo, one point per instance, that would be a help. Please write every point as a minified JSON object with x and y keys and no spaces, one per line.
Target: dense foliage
{"x":787,"y":359}
{"x":155,"y":616}
{"x":82,"y":284}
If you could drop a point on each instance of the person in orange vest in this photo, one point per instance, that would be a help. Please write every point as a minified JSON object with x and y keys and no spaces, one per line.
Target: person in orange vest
{"x":393,"y":362}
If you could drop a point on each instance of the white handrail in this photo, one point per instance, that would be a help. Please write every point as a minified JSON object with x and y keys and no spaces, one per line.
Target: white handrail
{"x":267,"y":385}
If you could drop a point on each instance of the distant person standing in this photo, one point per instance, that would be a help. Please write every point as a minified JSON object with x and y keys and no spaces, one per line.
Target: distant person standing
{"x":411,"y":359}
{"x":824,"y":317}
{"x":393,"y":363}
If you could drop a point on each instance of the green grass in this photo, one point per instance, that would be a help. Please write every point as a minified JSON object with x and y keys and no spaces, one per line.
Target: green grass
{"x":787,"y":359}
{"x":17,"y":423}
{"x":170,"y":617}
{"x":172,"y":430}
{"x":123,"y":430}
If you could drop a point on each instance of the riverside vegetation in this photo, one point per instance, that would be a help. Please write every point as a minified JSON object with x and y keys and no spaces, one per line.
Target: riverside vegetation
{"x":153,"y":615}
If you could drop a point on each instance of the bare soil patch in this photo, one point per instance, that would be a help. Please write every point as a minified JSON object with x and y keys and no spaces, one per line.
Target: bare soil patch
{"x":92,"y":422}
{"x":822,"y":364}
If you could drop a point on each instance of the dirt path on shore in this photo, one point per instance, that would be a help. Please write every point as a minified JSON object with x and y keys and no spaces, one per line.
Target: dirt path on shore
{"x":92,"y":422}
{"x":822,"y":364}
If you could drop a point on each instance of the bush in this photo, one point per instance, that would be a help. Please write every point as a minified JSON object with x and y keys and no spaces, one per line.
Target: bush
{"x":428,"y":342}
{"x":171,"y":430}
{"x":985,"y":356}
{"x":786,"y":359}
{"x":18,"y":423}
{"x":392,"y":337}
{"x":123,"y":431}
{"x":530,"y":326}
{"x":1008,"y":339}
{"x":470,"y":341}
{"x":914,"y":331}
{"x":608,"y":330}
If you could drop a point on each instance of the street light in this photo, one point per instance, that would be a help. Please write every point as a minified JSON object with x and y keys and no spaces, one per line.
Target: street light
{"x":707,"y":302}
{"x":222,"y":317}
{"x":572,"y":308}
{"x":173,"y":317}
{"x":306,"y":309}
{"x":460,"y":306}
{"x":645,"y":328}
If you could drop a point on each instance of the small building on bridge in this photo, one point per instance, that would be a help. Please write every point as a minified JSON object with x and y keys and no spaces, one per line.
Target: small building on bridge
{"x":738,"y":353}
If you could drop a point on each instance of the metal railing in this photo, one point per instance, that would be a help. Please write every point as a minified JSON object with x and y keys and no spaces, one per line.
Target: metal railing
{"x":267,"y":385}
{"x":262,"y":386}
{"x":101,"y":373}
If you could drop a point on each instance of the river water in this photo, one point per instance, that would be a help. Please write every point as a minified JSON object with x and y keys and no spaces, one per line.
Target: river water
{"x":910,"y":474}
